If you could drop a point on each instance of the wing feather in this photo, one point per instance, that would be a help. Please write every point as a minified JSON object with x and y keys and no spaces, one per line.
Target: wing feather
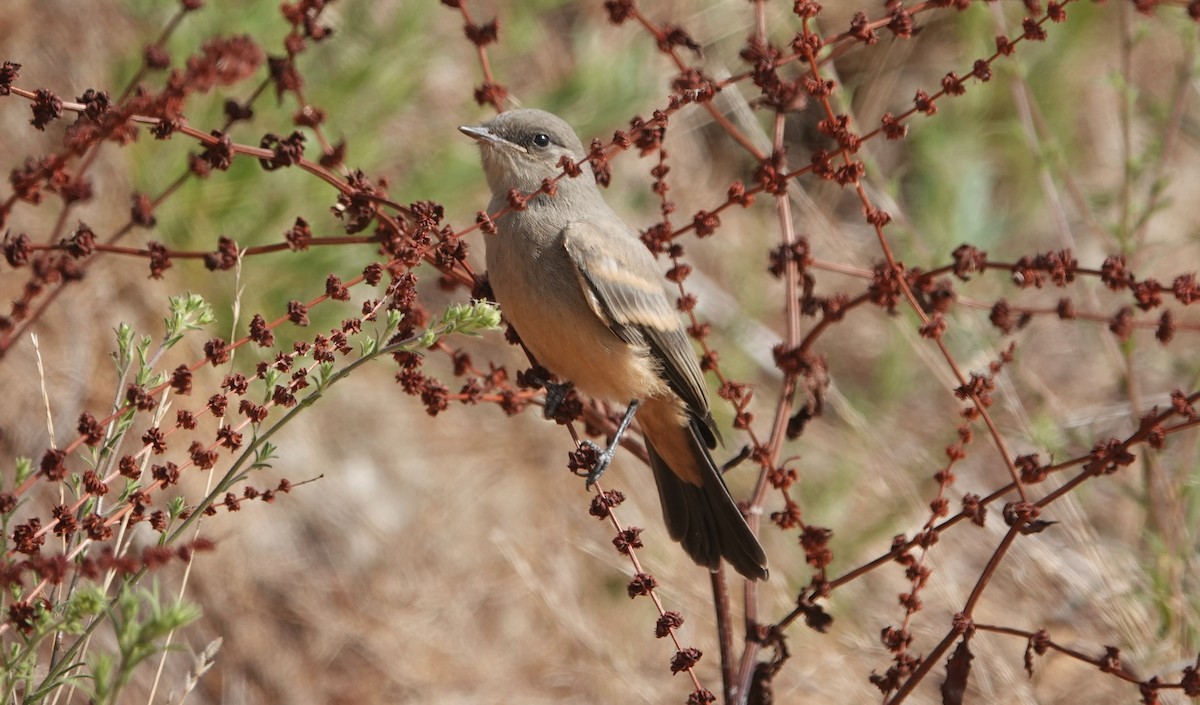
{"x":625,"y":289}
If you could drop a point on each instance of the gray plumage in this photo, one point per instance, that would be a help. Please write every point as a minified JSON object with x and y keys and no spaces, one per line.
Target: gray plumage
{"x":587,"y":299}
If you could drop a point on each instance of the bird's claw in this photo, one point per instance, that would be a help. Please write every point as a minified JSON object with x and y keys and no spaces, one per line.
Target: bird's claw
{"x":556,"y":393}
{"x":604,"y":456}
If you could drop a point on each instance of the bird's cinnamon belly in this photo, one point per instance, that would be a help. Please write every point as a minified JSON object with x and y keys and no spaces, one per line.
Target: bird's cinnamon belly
{"x":566,"y":336}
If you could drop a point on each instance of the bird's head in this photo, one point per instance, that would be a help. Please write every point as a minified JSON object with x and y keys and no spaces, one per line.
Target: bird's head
{"x":521,"y":148}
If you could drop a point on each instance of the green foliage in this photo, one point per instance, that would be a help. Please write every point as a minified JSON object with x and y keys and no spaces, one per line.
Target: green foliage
{"x":462,"y":319}
{"x":189,"y":312}
{"x":140,"y":620}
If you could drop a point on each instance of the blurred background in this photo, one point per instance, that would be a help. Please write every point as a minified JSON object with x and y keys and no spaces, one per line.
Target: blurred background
{"x":452,"y":559}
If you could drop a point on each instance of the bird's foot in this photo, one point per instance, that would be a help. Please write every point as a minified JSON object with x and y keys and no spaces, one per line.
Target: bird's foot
{"x":604,"y":456}
{"x":556,"y":393}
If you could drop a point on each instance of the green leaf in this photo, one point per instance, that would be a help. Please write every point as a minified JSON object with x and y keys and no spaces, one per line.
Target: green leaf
{"x":84,"y":602}
{"x":188,"y":312}
{"x":24,"y":469}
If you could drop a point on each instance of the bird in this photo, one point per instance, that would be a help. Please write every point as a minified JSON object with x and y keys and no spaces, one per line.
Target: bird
{"x":588,"y":301}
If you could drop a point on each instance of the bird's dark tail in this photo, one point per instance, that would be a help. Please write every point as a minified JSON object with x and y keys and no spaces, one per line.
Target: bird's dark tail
{"x":703,"y":518}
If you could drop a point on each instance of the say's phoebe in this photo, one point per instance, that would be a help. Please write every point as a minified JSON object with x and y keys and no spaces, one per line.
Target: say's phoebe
{"x":588,"y":301}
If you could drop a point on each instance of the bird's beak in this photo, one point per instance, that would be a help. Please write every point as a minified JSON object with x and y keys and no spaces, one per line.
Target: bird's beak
{"x":478,"y":133}
{"x":484,"y":136}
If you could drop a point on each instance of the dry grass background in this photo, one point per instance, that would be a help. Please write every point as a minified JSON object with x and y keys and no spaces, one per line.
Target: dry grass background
{"x":452,"y":560}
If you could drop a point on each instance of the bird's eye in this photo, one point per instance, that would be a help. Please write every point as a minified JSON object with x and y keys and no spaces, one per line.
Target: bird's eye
{"x":541,"y":139}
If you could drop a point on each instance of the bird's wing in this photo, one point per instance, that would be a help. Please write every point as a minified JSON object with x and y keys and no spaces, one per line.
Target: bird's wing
{"x":626,"y":292}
